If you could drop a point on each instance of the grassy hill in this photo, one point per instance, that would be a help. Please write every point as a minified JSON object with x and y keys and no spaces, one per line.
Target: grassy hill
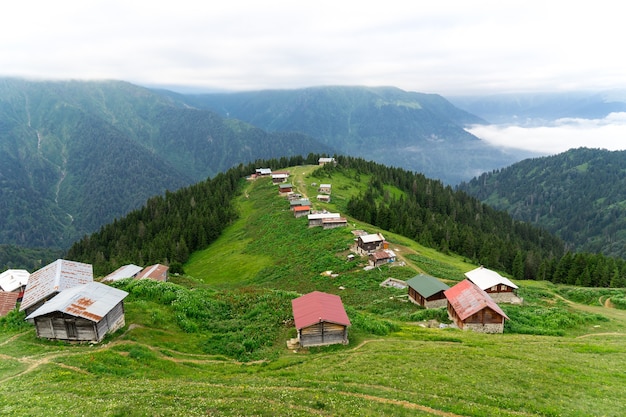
{"x":212,"y":341}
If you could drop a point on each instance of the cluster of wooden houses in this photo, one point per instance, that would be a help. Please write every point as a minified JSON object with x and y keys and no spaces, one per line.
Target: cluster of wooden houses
{"x":472,"y":304}
{"x":64,"y":302}
{"x":320,"y":318}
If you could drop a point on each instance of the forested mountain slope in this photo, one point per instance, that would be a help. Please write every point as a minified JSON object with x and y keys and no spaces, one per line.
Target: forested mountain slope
{"x":77,"y":155}
{"x":580,"y":195}
{"x":419,"y":132}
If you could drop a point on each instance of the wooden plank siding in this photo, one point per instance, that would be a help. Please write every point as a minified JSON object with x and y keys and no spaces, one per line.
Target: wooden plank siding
{"x":60,"y":326}
{"x":323,"y":333}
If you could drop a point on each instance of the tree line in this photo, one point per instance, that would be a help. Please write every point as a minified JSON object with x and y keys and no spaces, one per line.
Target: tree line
{"x":169,"y":227}
{"x":450,"y":220}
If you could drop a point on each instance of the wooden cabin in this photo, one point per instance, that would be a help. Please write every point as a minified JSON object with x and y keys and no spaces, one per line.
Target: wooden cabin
{"x":14,"y":280}
{"x":324,"y":198}
{"x":427,"y":291}
{"x":324,"y":188}
{"x":279,"y":177}
{"x":320,"y":319}
{"x":301,"y":211}
{"x":316,"y":219}
{"x":156,"y":272}
{"x":299,"y":202}
{"x":501,"y":289}
{"x":285,"y":189}
{"x":324,"y":161}
{"x":370,"y":243}
{"x":83,"y":313}
{"x":263,"y":172}
{"x":53,"y":278}
{"x":333,"y":222}
{"x":382,"y":257}
{"x":471,"y":308}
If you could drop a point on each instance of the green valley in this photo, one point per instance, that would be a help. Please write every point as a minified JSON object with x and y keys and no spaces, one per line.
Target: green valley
{"x":212,"y":341}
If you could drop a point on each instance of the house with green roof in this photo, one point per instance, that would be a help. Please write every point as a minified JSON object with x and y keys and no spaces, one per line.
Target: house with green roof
{"x":427,"y":291}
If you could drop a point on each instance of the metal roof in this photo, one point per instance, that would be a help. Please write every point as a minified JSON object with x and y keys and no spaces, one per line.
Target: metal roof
{"x":12,"y":279}
{"x":426,"y":286}
{"x":53,"y":278}
{"x":486,"y":278}
{"x":376,"y":237}
{"x":157,"y":272}
{"x":91,"y":301}
{"x":126,"y":271}
{"x":302,"y":208}
{"x":467,"y":299}
{"x":318,"y":216}
{"x":317,"y":307}
{"x":8,"y":301}
{"x":300,"y":202}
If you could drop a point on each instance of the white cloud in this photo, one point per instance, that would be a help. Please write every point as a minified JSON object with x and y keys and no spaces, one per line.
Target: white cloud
{"x":561,"y":135}
{"x":450,"y":47}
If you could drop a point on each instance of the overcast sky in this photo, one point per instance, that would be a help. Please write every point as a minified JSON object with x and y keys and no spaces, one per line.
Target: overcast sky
{"x":451,"y":47}
{"x":445,"y":47}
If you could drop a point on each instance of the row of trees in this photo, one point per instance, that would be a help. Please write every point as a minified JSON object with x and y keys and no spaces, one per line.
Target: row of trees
{"x":168,"y":228}
{"x":452,"y":221}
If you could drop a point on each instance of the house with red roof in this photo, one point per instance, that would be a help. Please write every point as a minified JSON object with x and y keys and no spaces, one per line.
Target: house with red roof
{"x":301,"y":211}
{"x":471,"y":308}
{"x":320,"y":319}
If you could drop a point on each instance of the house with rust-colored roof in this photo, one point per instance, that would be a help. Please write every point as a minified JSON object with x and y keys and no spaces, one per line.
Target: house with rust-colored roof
{"x":53,"y":278}
{"x":471,"y":308}
{"x":8,"y":302}
{"x":320,"y":319}
{"x":84,"y":313}
{"x":301,"y":211}
{"x":156,"y":272}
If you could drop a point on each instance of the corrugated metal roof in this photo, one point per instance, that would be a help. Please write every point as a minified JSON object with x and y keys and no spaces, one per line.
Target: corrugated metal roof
{"x":327,"y":220}
{"x":126,"y":271}
{"x":55,"y":277}
{"x":426,"y":286}
{"x":376,"y":237}
{"x":8,"y":300}
{"x":316,"y":307}
{"x":12,"y":279}
{"x":486,"y":278}
{"x":157,"y":272}
{"x":467,"y":299}
{"x":318,"y":216}
{"x":302,"y":208}
{"x":300,"y":202}
{"x":91,"y":301}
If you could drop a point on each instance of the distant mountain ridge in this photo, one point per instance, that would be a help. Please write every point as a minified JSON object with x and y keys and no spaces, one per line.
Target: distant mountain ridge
{"x":419,"y":132}
{"x":77,"y":155}
{"x":536,"y":108}
{"x":579,"y":195}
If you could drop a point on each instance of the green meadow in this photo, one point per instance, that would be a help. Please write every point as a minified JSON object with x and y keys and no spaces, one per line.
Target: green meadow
{"x":212,"y":342}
